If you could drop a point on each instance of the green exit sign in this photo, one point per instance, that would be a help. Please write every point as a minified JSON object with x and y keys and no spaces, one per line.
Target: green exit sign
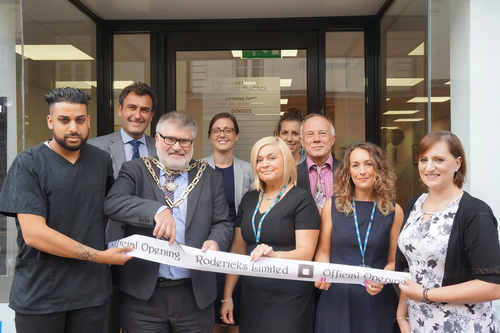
{"x":249,"y":54}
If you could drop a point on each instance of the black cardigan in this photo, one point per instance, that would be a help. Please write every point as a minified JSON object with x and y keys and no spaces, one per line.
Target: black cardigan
{"x":473,"y":248}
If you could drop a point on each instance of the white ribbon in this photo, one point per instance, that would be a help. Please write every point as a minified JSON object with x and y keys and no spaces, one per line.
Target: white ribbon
{"x":159,"y":251}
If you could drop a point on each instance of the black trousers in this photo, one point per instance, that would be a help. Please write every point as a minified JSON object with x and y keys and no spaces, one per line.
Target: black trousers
{"x":169,"y":310}
{"x":75,"y":321}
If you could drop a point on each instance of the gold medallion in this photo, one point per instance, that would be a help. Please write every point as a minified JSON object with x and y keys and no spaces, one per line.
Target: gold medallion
{"x":170,"y":186}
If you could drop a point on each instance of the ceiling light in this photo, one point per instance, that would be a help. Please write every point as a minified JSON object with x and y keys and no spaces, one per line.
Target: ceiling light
{"x":418,"y":51}
{"x":408,"y":120}
{"x":121,"y":84}
{"x":285,"y":82}
{"x":449,"y":82}
{"x":283,"y":100}
{"x":387,"y":99}
{"x":76,"y":84}
{"x":89,"y":84}
{"x":426,"y":99}
{"x":53,"y":52}
{"x":389,"y":128}
{"x":289,"y":53}
{"x":237,"y":54}
{"x":403,"y":82}
{"x":394,"y":112}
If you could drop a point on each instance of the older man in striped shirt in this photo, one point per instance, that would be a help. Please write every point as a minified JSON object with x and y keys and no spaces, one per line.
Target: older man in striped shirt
{"x":316,"y":173}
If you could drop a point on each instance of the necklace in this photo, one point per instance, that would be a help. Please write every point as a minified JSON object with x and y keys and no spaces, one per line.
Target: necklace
{"x":202,"y":165}
{"x":259,"y":228}
{"x":272,"y":197}
{"x":428,"y":213}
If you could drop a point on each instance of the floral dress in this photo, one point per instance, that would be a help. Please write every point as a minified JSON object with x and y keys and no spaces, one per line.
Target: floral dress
{"x":425,"y":246}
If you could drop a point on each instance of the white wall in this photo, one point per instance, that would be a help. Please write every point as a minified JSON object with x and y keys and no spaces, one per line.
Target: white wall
{"x":475,"y":89}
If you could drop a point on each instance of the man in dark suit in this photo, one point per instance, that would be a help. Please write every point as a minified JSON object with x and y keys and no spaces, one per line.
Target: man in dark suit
{"x":136,"y":107}
{"x":316,"y":173}
{"x":163,"y":298}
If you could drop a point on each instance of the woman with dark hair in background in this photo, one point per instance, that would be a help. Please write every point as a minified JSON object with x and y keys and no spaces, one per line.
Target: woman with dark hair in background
{"x":449,"y":244}
{"x":223,"y":132}
{"x":289,"y":130}
{"x":360,"y":226}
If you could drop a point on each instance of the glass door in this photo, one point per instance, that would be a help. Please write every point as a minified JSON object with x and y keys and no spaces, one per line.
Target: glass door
{"x":255,"y":86}
{"x":252,"y":75}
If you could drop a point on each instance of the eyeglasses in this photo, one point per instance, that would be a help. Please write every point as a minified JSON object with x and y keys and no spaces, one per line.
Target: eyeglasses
{"x":170,"y":141}
{"x":227,"y":131}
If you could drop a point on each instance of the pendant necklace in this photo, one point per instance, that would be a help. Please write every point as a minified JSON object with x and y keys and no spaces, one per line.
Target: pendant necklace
{"x":272,"y":197}
{"x":259,"y":228}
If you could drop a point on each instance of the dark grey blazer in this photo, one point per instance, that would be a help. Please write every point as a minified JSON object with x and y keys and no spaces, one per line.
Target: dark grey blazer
{"x":113,"y":144}
{"x":303,"y":175}
{"x":134,"y":200}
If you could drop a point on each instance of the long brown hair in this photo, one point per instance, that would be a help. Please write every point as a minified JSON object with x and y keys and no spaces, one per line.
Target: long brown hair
{"x":384,"y":186}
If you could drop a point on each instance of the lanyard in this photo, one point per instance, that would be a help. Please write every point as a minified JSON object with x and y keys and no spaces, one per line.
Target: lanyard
{"x":257,"y":233}
{"x":361,"y":249}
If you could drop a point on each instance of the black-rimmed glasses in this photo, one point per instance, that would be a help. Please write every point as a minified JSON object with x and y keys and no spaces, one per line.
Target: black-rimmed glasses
{"x":227,"y":131}
{"x":170,"y":141}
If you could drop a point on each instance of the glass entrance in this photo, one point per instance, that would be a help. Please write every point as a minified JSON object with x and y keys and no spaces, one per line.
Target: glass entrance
{"x":254,"y":86}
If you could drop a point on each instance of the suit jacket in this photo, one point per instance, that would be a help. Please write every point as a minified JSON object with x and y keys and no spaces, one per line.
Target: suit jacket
{"x":243,"y":177}
{"x":113,"y":144}
{"x":134,"y":200}
{"x":303,"y":174}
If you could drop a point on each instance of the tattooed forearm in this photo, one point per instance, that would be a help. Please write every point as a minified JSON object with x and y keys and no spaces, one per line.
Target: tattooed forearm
{"x":84,"y":253}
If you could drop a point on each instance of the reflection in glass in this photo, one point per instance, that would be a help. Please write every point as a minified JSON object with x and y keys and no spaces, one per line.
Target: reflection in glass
{"x":254,"y":90}
{"x":345,"y":87}
{"x":132,"y":63}
{"x":59,"y":51}
{"x":404,"y":90}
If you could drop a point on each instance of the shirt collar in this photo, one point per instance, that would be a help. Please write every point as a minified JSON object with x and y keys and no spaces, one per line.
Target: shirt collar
{"x":126,"y":138}
{"x":328,"y":162}
{"x":183,"y":175}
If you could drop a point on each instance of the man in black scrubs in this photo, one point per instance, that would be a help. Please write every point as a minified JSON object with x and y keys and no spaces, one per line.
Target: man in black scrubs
{"x":56,"y":192}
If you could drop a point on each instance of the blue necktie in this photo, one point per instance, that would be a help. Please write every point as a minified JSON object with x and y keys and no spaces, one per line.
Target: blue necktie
{"x":135,"y":148}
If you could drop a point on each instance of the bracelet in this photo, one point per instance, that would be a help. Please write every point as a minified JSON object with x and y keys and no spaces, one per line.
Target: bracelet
{"x":425,"y":299}
{"x":226,"y":300}
{"x":397,"y":318}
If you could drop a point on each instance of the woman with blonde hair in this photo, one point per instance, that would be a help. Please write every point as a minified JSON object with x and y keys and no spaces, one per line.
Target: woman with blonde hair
{"x":278,"y":220}
{"x":449,"y":244}
{"x":360,"y":226}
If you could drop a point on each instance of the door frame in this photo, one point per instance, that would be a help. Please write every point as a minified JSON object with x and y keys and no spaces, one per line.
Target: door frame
{"x":165,"y":41}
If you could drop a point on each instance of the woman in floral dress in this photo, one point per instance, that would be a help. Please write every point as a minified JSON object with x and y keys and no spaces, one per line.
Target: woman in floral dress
{"x":449,"y":243}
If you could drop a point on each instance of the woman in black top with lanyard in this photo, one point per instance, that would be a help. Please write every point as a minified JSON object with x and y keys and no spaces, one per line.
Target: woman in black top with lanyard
{"x":277,"y":220}
{"x":359,"y":226}
{"x":223,"y":132}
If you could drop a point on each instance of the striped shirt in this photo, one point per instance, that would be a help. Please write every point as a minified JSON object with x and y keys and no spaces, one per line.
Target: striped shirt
{"x":326,"y":174}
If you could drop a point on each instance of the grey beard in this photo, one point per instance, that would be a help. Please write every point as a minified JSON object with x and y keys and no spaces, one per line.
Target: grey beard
{"x":174,"y":165}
